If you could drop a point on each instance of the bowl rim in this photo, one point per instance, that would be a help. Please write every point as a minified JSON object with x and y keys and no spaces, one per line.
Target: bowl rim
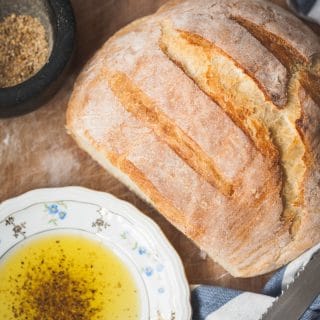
{"x":63,"y":23}
{"x":106,"y":243}
{"x":112,"y":209}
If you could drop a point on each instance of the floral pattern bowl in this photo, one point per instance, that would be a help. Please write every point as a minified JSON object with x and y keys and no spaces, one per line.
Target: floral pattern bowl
{"x":135,"y":238}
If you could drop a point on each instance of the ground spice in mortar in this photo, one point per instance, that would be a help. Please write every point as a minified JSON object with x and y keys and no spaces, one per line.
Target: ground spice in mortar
{"x":24,"y":49}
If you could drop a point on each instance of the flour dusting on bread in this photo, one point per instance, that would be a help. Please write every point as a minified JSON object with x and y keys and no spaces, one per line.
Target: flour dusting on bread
{"x":208,"y":110}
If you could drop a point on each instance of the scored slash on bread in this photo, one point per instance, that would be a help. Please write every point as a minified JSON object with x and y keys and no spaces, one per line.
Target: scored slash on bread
{"x":209,"y":110}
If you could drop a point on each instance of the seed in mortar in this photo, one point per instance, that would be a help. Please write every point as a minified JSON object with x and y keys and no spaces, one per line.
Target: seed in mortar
{"x":24,"y":49}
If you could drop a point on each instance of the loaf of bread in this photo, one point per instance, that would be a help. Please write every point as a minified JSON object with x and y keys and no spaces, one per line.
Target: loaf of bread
{"x":209,"y":110}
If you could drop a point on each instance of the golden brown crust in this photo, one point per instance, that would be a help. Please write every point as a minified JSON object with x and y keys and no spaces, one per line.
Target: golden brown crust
{"x":214,"y":124}
{"x":215,"y":87}
{"x":137,"y":103}
{"x":311,"y":81}
{"x":289,"y":56}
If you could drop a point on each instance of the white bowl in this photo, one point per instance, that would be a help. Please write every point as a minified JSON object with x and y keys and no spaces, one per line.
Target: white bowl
{"x":133,"y":237}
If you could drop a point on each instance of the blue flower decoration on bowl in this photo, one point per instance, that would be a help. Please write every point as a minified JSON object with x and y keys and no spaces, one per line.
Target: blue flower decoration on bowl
{"x":160,"y":267}
{"x":148,"y":271}
{"x":161,"y":290}
{"x":53,"y":209}
{"x":62,"y":215}
{"x":142,"y":250}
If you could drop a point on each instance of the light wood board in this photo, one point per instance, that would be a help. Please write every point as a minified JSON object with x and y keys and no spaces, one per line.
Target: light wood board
{"x":36,"y":152}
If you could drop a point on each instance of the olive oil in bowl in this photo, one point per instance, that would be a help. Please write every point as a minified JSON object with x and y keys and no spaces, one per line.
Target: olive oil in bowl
{"x":66,"y":277}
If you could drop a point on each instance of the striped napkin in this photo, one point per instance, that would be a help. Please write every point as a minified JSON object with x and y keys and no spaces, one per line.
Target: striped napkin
{"x":306,"y":8}
{"x":215,"y":303}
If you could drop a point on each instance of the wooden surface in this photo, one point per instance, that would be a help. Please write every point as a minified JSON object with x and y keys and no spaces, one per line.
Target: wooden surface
{"x":36,"y":152}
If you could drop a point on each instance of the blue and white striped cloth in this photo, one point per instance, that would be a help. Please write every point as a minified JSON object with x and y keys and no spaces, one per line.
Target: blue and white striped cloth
{"x":215,"y":303}
{"x":310,"y":9}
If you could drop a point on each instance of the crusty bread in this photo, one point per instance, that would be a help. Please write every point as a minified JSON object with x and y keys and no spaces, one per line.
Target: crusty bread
{"x":209,"y":110}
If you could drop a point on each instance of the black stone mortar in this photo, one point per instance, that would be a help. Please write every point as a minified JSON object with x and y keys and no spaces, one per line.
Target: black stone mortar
{"x":58,"y":20}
